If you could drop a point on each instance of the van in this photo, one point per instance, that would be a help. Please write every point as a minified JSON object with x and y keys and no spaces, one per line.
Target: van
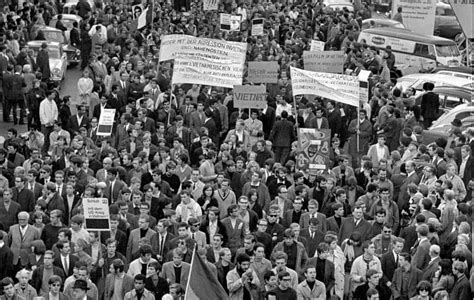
{"x":414,"y":53}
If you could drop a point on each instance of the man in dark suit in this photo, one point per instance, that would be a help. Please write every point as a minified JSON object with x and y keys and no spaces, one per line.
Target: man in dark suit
{"x":32,"y":185}
{"x":334,"y":118}
{"x":37,"y":278}
{"x":13,"y":85}
{"x":420,"y":251}
{"x":213,"y":218}
{"x":409,"y":233}
{"x":164,"y":239}
{"x":282,"y":135}
{"x":104,"y":104}
{"x":412,"y":177}
{"x":78,"y":120}
{"x":432,"y":267}
{"x":313,"y":236}
{"x":334,"y":223}
{"x":117,"y":235}
{"x":429,"y":109}
{"x":267,"y":116}
{"x":466,"y":168}
{"x":211,"y":126}
{"x":65,"y":260}
{"x":390,"y":260}
{"x":355,"y":223}
{"x":22,"y":195}
{"x":114,"y":185}
{"x":414,"y":277}
{"x":74,"y":35}
{"x":148,"y":124}
{"x":321,"y":121}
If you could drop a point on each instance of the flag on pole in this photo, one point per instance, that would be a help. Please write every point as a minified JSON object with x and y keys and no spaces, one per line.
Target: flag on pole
{"x":145,"y":18}
{"x":202,"y":283}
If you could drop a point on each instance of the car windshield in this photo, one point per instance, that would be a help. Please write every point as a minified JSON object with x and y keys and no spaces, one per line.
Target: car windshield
{"x":53,"y":53}
{"x":54,"y":36}
{"x":447,"y":50}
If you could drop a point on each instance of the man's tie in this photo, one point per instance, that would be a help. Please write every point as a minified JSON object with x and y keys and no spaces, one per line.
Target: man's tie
{"x":161,"y":246}
{"x":66,"y":266}
{"x":396,"y":262}
{"x":312,"y":235}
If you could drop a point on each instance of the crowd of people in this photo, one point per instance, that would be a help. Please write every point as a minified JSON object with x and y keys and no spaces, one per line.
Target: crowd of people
{"x":184,"y":171}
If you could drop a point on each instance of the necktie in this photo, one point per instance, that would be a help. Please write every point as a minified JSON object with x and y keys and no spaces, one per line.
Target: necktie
{"x":66,"y":266}
{"x":192,"y":236}
{"x":312,"y":235}
{"x":396,"y":263}
{"x":161,"y":246}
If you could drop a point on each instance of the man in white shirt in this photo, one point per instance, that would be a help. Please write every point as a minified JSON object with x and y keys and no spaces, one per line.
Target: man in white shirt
{"x":49,"y":113}
{"x":188,"y":208}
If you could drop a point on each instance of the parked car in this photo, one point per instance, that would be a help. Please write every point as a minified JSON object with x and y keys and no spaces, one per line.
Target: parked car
{"x":67,"y":20}
{"x":57,"y":59}
{"x":450,"y":96}
{"x":372,"y":23}
{"x":446,"y":24}
{"x":55,"y":35}
{"x":442,"y":126}
{"x":417,"y":80}
{"x":459,"y":72}
{"x":339,"y":4}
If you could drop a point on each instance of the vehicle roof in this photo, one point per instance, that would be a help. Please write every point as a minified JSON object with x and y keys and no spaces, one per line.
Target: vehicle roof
{"x":406,"y":34}
{"x":49,"y":28}
{"x":457,"y":91}
{"x":437,"y":77}
{"x":381,"y":21}
{"x":68,"y":16}
{"x":461,"y":69}
{"x":39,"y":43}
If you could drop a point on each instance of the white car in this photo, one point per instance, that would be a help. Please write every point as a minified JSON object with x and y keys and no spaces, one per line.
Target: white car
{"x":417,"y":80}
{"x":373,"y":23}
{"x":57,"y":59}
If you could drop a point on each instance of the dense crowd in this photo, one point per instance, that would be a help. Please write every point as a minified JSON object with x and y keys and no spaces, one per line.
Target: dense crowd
{"x":183,"y":170}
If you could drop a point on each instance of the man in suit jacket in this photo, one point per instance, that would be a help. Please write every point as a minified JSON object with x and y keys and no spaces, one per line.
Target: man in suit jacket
{"x":114,"y":185}
{"x":78,"y":120}
{"x":429,"y":105}
{"x":355,"y":223}
{"x":118,"y":268}
{"x":414,"y":277}
{"x":37,"y":277}
{"x":168,"y":271}
{"x":143,"y":224}
{"x":9,"y":217}
{"x":20,"y":237}
{"x":211,"y":126}
{"x":313,"y":207}
{"x":432,"y":267}
{"x":65,"y":260}
{"x":213,"y":218}
{"x":235,"y":233}
{"x":391,"y":259}
{"x":313,"y":236}
{"x":163,"y":238}
{"x":412,"y":177}
{"x":334,"y":223}
{"x":267,"y":116}
{"x":13,"y":85}
{"x":466,"y":168}
{"x":104,"y":104}
{"x":420,"y":252}
{"x":282,"y":135}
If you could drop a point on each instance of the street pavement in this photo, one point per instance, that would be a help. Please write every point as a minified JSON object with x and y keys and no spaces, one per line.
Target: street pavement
{"x":68,"y":87}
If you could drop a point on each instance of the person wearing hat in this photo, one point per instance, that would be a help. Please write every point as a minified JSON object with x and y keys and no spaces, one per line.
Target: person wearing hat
{"x":79,"y":290}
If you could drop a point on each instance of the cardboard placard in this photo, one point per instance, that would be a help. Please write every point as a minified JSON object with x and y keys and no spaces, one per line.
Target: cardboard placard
{"x":263,"y":71}
{"x":106,"y":122}
{"x":257,"y":27}
{"x":324,"y":61}
{"x":96,"y":213}
{"x":247,"y":96}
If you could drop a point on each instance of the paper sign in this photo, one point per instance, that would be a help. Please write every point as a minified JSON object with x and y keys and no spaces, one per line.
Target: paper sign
{"x":207,"y":72}
{"x":106,"y":122}
{"x":230,"y":22}
{"x":210,"y":4}
{"x":257,"y":27}
{"x":337,"y":87}
{"x":464,"y":11}
{"x":317,"y":45}
{"x":418,"y":16}
{"x":263,"y":72}
{"x":247,"y":96}
{"x":96,"y":213}
{"x":314,"y":145}
{"x":324,"y":61}
{"x":176,"y":45}
{"x":364,"y":86}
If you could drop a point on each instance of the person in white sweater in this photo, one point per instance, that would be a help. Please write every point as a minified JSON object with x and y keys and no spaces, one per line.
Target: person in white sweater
{"x":361,"y":264}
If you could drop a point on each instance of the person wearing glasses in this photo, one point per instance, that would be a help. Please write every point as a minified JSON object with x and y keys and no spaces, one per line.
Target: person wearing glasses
{"x":55,"y":283}
{"x":39,"y":273}
{"x":283,"y":291}
{"x":423,"y":291}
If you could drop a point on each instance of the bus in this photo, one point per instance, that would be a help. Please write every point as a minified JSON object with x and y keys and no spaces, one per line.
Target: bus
{"x":414,"y":53}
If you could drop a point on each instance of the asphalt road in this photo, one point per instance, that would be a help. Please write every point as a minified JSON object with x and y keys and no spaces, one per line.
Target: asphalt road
{"x":68,"y":87}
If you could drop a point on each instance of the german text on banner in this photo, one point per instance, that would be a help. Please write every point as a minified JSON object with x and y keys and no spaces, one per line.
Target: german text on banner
{"x":337,"y":87}
{"x":262,"y":71}
{"x":314,"y":145}
{"x":202,"y":283}
{"x":96,"y":213}
{"x":106,"y":122}
{"x":324,"y":61}
{"x":247,"y":96}
{"x":207,"y":72}
{"x":210,"y":4}
{"x":230,"y":22}
{"x":418,"y":16}
{"x":176,"y":45}
{"x":257,"y":27}
{"x":464,"y":10}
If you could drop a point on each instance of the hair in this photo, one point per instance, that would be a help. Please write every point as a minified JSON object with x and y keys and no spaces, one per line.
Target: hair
{"x":406,"y":256}
{"x":242,"y":257}
{"x":268,"y":274}
{"x":139,"y":277}
{"x":55,"y":279}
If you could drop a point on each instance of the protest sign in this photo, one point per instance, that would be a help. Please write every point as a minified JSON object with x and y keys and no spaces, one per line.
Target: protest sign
{"x":262,"y":72}
{"x":230,"y":22}
{"x":418,"y":16}
{"x":337,"y":87}
{"x":317,"y":45}
{"x":324,"y":61}
{"x":176,"y":45}
{"x":210,"y":4}
{"x":106,"y":122}
{"x":207,"y":72}
{"x":314,"y":145}
{"x":257,"y":27}
{"x":247,"y":96}
{"x":364,"y":85}
{"x":464,"y":11}
{"x":96,"y":213}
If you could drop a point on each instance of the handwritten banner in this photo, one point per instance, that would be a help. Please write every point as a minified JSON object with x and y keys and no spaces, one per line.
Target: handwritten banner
{"x":317,"y":45}
{"x":210,"y":4}
{"x":418,"y":16}
{"x":96,"y":213}
{"x":257,"y":27}
{"x":230,"y":22}
{"x":324,"y":61}
{"x":247,"y":96}
{"x":263,"y":72}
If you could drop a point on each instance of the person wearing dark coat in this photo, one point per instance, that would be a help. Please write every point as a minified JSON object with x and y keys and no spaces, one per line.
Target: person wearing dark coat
{"x":42,"y":60}
{"x":60,"y":25}
{"x":83,"y":9}
{"x":429,"y":105}
{"x":6,"y":259}
{"x":74,"y":35}
{"x":282,"y":135}
{"x":33,"y":100}
{"x":267,"y":116}
{"x":462,"y":288}
{"x":86,"y":44}
{"x":334,"y":119}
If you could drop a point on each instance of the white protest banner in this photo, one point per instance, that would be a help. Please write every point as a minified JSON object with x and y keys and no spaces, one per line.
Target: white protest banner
{"x":210,"y":4}
{"x":106,"y":122}
{"x":324,"y":61}
{"x":418,"y":16}
{"x":317,"y":45}
{"x":257,"y":27}
{"x":464,"y":10}
{"x":337,"y":87}
{"x":248,"y":96}
{"x":207,"y":72}
{"x":262,"y":72}
{"x":176,"y":45}
{"x":96,"y":213}
{"x":230,"y":22}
